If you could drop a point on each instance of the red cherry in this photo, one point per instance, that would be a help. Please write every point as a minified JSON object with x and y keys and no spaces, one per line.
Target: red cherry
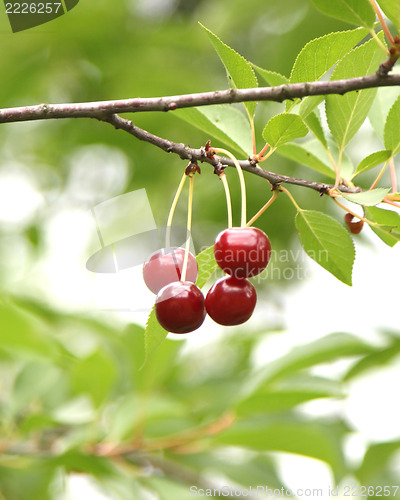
{"x":242,"y":251}
{"x":165,"y":266}
{"x":354,"y":227}
{"x":180,"y":307}
{"x":231,"y":301}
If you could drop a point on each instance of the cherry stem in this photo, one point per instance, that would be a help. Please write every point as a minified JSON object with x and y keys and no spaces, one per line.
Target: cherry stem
{"x":263,"y":151}
{"x":378,"y":41}
{"x":390,"y":202}
{"x":354,"y":214}
{"x":338,"y":168}
{"x":263,"y":209}
{"x":373,"y":185}
{"x":189,"y":227}
{"x":224,"y":180}
{"x":241,"y":179}
{"x":253,"y":135}
{"x":270,"y":152}
{"x":172,"y":211}
{"x":281,"y":188}
{"x":382,"y":21}
{"x":393,"y":175}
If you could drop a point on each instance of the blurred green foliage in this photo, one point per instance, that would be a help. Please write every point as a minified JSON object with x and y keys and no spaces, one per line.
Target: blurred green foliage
{"x":74,"y":397}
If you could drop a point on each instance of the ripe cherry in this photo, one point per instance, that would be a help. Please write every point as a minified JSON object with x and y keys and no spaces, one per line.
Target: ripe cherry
{"x":354,"y":227}
{"x":180,"y":307}
{"x":165,"y":266}
{"x":231,"y":301}
{"x":242,"y":251}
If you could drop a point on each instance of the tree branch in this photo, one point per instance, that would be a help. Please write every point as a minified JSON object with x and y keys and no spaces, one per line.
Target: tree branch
{"x":186,"y":153}
{"x":102,"y":109}
{"x":107,"y":111}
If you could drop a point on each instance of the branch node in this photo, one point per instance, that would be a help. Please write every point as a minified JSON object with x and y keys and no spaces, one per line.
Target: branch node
{"x":286,"y":93}
{"x":192,"y":168}
{"x":209,"y":152}
{"x":324,"y":189}
{"x":253,"y":161}
{"x":387,"y":65}
{"x":219,"y":168}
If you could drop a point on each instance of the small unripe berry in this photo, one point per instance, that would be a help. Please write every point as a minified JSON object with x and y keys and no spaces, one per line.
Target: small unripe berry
{"x":354,"y":227}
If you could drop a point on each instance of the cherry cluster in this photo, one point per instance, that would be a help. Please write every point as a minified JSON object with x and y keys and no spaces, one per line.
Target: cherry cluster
{"x":241,"y":252}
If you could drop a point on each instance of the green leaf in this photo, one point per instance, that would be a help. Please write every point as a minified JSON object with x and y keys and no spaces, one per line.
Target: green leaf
{"x":167,"y":489}
{"x":288,"y":435}
{"x":326,"y":349}
{"x":346,"y":114}
{"x":376,"y":461}
{"x":34,"y":380}
{"x":372,"y":161}
{"x":392,"y":128}
{"x":207,"y":266}
{"x":389,"y":229}
{"x":22,"y":475}
{"x":367,"y":198}
{"x":385,"y":217}
{"x":284,"y":128}
{"x":318,"y":150}
{"x":300,"y":154}
{"x":272,"y":78}
{"x":379,"y":358}
{"x":319,"y":55}
{"x":357,"y":12}
{"x":224,"y":122}
{"x":95,"y":376}
{"x":308,"y":104}
{"x":327,"y":242}
{"x":384,"y":100}
{"x":391,"y":9}
{"x":240,"y":72}
{"x":154,"y":335}
{"x":23,"y":333}
{"x":124,"y":416}
{"x":260,"y":469}
{"x":314,"y":155}
{"x":313,"y":123}
{"x":76,"y":460}
{"x":286,"y":394}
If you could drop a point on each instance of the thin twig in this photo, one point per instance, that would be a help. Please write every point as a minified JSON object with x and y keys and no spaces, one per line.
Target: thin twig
{"x":186,"y":153}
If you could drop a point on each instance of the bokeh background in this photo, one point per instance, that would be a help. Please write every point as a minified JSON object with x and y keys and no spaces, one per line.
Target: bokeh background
{"x":311,"y":379}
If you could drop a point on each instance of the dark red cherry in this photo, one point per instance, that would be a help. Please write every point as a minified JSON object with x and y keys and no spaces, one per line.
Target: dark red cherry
{"x":354,"y":227}
{"x":180,"y":307}
{"x":242,"y":251}
{"x":165,"y":266}
{"x":231,"y":301}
